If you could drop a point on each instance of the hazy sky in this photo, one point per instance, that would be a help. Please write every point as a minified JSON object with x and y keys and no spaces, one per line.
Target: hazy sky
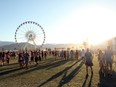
{"x":64,"y":21}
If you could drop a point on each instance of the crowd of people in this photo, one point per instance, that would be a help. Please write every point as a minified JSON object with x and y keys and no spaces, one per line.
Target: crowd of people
{"x":105,"y":61}
{"x":5,"y":57}
{"x":24,"y":57}
{"x":105,"y":58}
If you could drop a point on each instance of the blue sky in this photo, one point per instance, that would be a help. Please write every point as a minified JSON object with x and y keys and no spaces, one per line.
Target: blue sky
{"x":59,"y":18}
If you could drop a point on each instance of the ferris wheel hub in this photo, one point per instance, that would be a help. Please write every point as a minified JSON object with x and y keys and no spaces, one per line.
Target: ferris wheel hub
{"x":30,"y":36}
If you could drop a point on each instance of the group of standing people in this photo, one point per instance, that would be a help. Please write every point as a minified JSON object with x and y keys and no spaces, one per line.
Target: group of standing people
{"x":66,"y":54}
{"x":105,"y":59}
{"x":23,"y":59}
{"x":33,"y":56}
{"x":5,"y":57}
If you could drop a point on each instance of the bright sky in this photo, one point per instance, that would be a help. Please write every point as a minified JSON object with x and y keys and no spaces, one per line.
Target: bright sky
{"x":64,"y":21}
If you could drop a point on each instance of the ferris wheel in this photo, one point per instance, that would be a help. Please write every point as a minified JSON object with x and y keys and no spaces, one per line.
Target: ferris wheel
{"x":30,"y":33}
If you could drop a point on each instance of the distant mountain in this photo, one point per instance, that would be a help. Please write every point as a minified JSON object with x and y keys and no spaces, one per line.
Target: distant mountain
{"x":30,"y":46}
{"x":16,"y":46}
{"x":52,"y":46}
{"x":13,"y":46}
{"x":3,"y":43}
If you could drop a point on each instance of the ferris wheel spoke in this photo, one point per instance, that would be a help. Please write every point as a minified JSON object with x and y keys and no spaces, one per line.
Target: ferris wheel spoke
{"x":29,"y":28}
{"x":40,"y":37}
{"x":26,"y":28}
{"x":38,"y":34}
{"x":34,"y":44}
{"x":20,"y":37}
{"x":25,"y":45}
{"x":22,"y":30}
{"x":37,"y":29}
{"x":33,"y":27}
{"x":38,"y":40}
{"x":21,"y":40}
{"x":20,"y":34}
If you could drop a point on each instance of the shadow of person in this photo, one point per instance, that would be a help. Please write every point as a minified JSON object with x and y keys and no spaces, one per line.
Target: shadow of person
{"x":57,"y":74}
{"x":86,"y":77}
{"x":68,"y":78}
{"x":90,"y":79}
{"x":107,"y":81}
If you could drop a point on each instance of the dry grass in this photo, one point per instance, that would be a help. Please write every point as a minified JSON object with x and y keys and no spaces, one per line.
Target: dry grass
{"x":54,"y":73}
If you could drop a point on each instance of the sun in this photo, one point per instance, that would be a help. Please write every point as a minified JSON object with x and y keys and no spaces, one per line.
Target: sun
{"x":96,"y":24}
{"x":99,"y":24}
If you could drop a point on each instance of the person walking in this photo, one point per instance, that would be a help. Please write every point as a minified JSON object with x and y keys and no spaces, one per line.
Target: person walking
{"x":21,"y":59}
{"x":7,"y":57}
{"x":88,"y":61}
{"x":3,"y":57}
{"x":26,"y":56}
{"x":83,"y":55}
{"x":101,"y":62}
{"x":109,"y":60}
{"x":77,"y":54}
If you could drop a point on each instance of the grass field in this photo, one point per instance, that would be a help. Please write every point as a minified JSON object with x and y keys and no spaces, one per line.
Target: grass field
{"x":54,"y":73}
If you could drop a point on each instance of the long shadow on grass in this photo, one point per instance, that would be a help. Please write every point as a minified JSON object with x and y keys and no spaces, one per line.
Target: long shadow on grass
{"x":9,"y":71}
{"x":57,"y":64}
{"x":86,"y":77}
{"x":31,"y":68}
{"x":68,"y":78}
{"x":90,"y":80}
{"x":9,"y":64}
{"x":57,"y":75}
{"x":107,"y":81}
{"x":8,"y":67}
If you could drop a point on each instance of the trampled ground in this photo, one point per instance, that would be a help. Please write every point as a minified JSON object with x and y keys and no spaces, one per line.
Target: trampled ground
{"x":54,"y":73}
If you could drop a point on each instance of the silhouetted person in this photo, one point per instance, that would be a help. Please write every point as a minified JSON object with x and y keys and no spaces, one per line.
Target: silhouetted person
{"x":77,"y":54}
{"x":21,"y":59}
{"x":7,"y":57}
{"x":83,"y":55}
{"x":26,"y":56}
{"x":109,"y":60}
{"x":101,"y":62}
{"x":88,"y":61}
{"x":3,"y":57}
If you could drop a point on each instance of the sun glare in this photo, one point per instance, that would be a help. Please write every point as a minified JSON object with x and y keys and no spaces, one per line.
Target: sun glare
{"x":96,"y":24}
